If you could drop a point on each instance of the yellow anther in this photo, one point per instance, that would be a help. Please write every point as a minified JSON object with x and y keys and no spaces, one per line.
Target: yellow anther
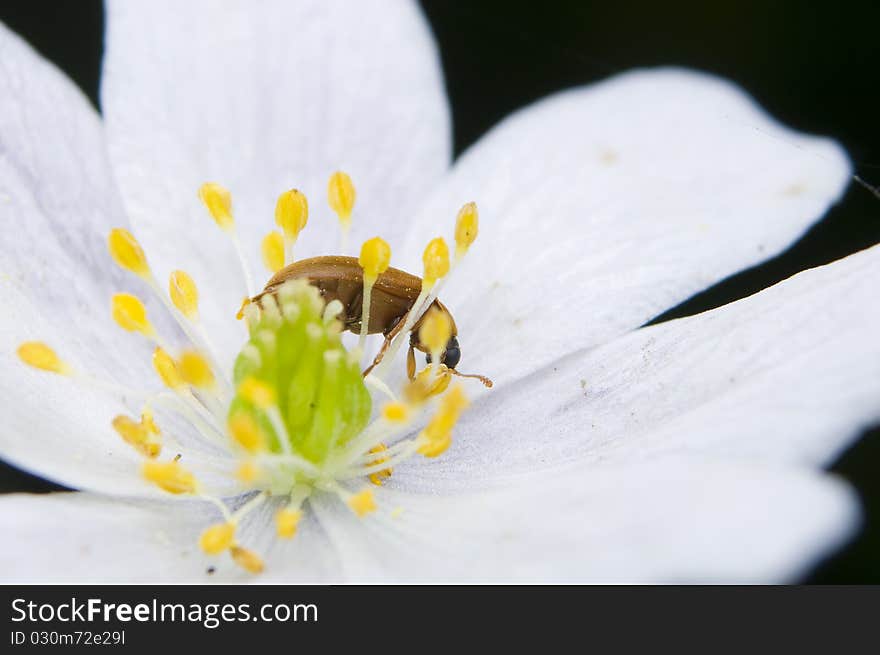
{"x":127,"y":252}
{"x":395,"y":412}
{"x":41,"y":356}
{"x":437,"y":435}
{"x":429,"y":382}
{"x":291,"y":213}
{"x":195,"y":370}
{"x":217,"y":538}
{"x":138,"y":435}
{"x":167,"y":369}
{"x":379,"y":477}
{"x":184,"y":294}
{"x":170,"y":476}
{"x":130,"y":314}
{"x":436,"y":330}
{"x":341,"y":196}
{"x":436,"y":446}
{"x":247,"y":471}
{"x":454,"y":402}
{"x":362,"y":503}
{"x":466,"y":228}
{"x":247,"y":559}
{"x":246,"y":432}
{"x":375,"y":258}
{"x":148,"y":422}
{"x":151,"y":449}
{"x":286,"y":522}
{"x":436,"y":261}
{"x":244,"y":303}
{"x":130,"y":430}
{"x":218,"y":200}
{"x":272,"y":249}
{"x":257,"y":392}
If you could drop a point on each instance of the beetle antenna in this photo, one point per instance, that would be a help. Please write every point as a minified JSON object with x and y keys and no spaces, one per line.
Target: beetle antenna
{"x":482,"y":378}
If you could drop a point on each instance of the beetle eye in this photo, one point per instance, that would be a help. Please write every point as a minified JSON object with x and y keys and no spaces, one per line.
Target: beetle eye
{"x":452,"y":357}
{"x":452,"y":354}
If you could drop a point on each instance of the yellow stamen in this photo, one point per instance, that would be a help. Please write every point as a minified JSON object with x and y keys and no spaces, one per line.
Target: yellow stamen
{"x":247,"y":559}
{"x":247,"y":471}
{"x":362,"y":503}
{"x":437,"y":435}
{"x":395,"y":412}
{"x":272,"y":250}
{"x":217,"y":538}
{"x":454,"y":403}
{"x":138,"y":435}
{"x":291,"y":215}
{"x":435,"y":331}
{"x":41,"y":356}
{"x":436,"y":261}
{"x":244,"y":303}
{"x":127,"y":252}
{"x":150,"y":449}
{"x":287,"y":521}
{"x":375,"y":257}
{"x":167,"y":369}
{"x":466,"y":228}
{"x":341,"y":196}
{"x":246,"y":432}
{"x":130,"y":314}
{"x":436,"y":446}
{"x":379,"y":477}
{"x":259,"y":393}
{"x":148,"y":422}
{"x":184,"y":294}
{"x":218,"y":201}
{"x":170,"y":476}
{"x":429,"y":382}
{"x":195,"y":370}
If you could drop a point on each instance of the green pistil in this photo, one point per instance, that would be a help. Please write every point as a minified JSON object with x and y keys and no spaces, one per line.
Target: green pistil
{"x":318,"y":386}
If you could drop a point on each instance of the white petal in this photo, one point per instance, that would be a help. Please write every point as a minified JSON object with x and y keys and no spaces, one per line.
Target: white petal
{"x":677,"y":521}
{"x":671,"y":520}
{"x":262,"y":98}
{"x":104,"y":540}
{"x":601,"y":207}
{"x":57,"y":205}
{"x":60,"y":427}
{"x":115,"y":540}
{"x":790,"y":375}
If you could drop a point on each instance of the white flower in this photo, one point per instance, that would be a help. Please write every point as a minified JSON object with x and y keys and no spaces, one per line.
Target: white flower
{"x":689,"y":451}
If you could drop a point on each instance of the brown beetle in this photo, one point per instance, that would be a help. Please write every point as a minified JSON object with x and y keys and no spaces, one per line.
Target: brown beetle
{"x":394,"y":293}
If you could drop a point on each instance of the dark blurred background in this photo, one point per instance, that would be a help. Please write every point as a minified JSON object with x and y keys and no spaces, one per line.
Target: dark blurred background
{"x":812,"y":65}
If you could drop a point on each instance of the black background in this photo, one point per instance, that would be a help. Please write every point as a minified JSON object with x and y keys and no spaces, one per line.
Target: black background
{"x":812,"y":65}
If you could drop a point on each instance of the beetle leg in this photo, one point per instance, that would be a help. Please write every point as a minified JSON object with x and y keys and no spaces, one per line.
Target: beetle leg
{"x":379,"y":355}
{"x":353,"y":312}
{"x":389,"y":337}
{"x":411,"y":362}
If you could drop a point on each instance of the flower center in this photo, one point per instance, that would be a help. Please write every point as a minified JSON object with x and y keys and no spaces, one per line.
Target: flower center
{"x":295,"y":416}
{"x":300,"y":396}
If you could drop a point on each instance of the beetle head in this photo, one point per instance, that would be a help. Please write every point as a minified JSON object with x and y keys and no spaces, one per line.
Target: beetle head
{"x":451,"y":355}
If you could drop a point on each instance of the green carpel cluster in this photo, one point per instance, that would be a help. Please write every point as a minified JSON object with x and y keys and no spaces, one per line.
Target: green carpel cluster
{"x":295,"y":349}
